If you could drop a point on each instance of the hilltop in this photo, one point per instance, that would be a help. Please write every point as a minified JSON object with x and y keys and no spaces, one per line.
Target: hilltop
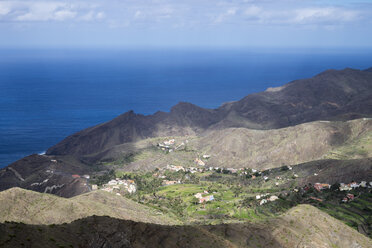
{"x":302,"y":226}
{"x":31,"y":207}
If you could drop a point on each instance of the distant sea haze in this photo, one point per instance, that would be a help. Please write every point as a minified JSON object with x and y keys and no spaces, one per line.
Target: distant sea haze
{"x":46,"y":95}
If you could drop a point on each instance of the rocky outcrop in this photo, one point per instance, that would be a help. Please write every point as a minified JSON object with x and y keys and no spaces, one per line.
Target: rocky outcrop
{"x":46,"y":174}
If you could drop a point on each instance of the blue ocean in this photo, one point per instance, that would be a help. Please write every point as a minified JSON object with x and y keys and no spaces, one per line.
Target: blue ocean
{"x":46,"y":95}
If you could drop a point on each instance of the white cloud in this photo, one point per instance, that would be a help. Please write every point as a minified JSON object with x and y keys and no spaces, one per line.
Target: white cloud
{"x":92,"y":15}
{"x":190,"y":13}
{"x":224,"y":16}
{"x":62,"y":15}
{"x":231,"y":11}
{"x":4,"y":9}
{"x":253,"y":11}
{"x":165,"y":12}
{"x":138,"y":14}
{"x":100,"y":15}
{"x":320,"y":15}
{"x":300,"y":16}
{"x":39,"y":11}
{"x":31,"y":11}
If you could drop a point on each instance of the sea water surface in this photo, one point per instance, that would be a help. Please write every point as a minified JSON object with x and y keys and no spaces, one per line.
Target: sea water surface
{"x":46,"y":95}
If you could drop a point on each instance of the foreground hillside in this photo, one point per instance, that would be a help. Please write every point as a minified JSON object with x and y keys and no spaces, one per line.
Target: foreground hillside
{"x":30,"y":207}
{"x":302,"y":226}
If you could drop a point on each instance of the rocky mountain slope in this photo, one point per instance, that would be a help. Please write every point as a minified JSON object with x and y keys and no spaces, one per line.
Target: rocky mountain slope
{"x":31,"y":207}
{"x":46,"y":174}
{"x":331,"y":95}
{"x":263,"y":149}
{"x":302,"y":226}
{"x":248,"y":148}
{"x":333,"y":171}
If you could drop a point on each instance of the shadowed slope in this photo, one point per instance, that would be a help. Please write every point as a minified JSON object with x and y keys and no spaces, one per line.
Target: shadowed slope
{"x":48,"y":174}
{"x":302,"y":226}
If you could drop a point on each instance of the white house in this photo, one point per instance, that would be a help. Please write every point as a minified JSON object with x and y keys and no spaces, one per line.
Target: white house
{"x":263,"y":201}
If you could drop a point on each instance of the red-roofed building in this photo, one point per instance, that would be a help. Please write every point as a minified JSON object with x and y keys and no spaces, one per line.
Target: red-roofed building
{"x":321,"y":186}
{"x":350,"y":197}
{"x":316,"y":199}
{"x":75,"y":176}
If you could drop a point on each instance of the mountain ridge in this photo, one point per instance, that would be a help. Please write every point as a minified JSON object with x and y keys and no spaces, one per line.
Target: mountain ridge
{"x":330,"y":95}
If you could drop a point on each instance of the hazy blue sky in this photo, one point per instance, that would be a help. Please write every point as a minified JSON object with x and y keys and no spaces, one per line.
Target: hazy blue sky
{"x":179,"y":23}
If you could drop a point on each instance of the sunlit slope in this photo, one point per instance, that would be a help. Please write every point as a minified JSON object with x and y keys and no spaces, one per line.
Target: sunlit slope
{"x":241,"y":147}
{"x":259,"y":149}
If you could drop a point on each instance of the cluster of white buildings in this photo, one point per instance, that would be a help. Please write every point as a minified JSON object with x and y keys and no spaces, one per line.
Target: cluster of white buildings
{"x":118,"y":185}
{"x":167,"y":145}
{"x":170,"y":145}
{"x":199,"y":162}
{"x":204,"y":169}
{"x":175,"y":168}
{"x":354,"y":185}
{"x":184,"y":169}
{"x":265,"y":199}
{"x":204,"y":199}
{"x":168,"y":182}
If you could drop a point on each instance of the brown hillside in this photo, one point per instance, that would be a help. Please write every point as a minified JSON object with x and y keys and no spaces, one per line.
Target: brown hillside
{"x":31,"y":207}
{"x":262,"y":149}
{"x":259,"y":149}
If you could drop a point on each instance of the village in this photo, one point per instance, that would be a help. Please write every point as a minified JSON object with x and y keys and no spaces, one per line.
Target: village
{"x":118,"y":186}
{"x":171,"y":175}
{"x":253,"y":174}
{"x":203,"y":193}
